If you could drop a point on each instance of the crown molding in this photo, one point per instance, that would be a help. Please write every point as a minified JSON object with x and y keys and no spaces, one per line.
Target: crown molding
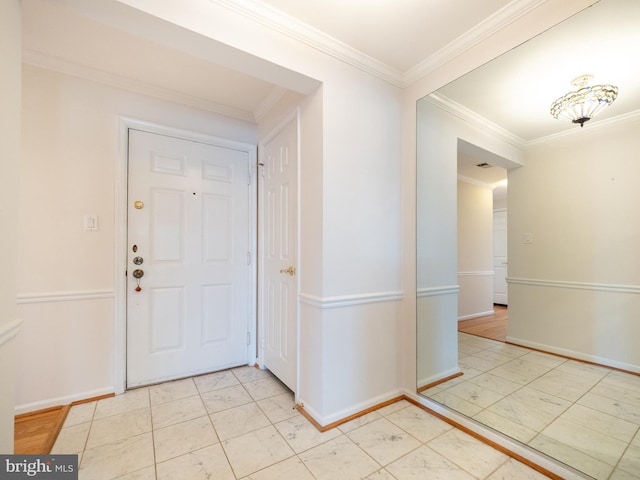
{"x":304,"y":33}
{"x":473,"y":118}
{"x":479,"y":121}
{"x":600,"y":124}
{"x":49,"y":62}
{"x":496,"y":22}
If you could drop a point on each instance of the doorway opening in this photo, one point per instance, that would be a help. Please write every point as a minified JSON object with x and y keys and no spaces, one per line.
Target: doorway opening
{"x":482,"y":242}
{"x":192,"y":237}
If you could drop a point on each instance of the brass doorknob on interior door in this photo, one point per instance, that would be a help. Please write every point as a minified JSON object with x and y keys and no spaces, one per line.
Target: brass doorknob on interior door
{"x":291,"y":271}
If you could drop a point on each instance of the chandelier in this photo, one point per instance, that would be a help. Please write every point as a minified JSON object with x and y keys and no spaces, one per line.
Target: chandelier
{"x":582,"y":104}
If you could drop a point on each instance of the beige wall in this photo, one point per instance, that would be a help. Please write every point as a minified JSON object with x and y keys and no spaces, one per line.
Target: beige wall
{"x":575,"y":289}
{"x":437,"y":267}
{"x":71,"y":147}
{"x":10,"y":53}
{"x":475,"y":250}
{"x":349,"y":270}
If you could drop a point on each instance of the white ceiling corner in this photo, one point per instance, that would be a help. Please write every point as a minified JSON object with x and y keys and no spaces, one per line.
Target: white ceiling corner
{"x":469,"y":116}
{"x":481,"y":31}
{"x":268,"y":102}
{"x":264,"y":13}
{"x":307,"y":34}
{"x":57,"y":64}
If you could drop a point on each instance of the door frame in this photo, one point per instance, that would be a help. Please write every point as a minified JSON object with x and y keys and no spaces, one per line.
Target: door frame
{"x":293,"y":116}
{"x":121,"y":235}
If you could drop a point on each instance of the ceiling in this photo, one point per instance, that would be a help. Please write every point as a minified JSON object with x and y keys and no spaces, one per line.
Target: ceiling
{"x":398,"y":33}
{"x":395,"y":39}
{"x":516,"y":90}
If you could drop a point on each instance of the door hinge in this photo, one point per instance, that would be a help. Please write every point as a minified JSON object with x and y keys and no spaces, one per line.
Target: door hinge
{"x":248,"y":338}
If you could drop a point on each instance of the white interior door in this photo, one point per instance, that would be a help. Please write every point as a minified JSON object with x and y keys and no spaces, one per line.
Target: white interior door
{"x":500,"y":257}
{"x":188,"y":231}
{"x":279,"y":283}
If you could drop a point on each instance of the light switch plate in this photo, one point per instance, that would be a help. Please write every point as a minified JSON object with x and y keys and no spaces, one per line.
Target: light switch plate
{"x":91,"y":223}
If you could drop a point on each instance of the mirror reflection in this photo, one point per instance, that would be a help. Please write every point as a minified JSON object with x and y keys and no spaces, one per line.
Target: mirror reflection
{"x":543,"y":282}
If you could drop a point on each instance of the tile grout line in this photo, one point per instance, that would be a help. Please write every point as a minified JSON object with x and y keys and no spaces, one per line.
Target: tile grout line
{"x":153,"y":436}
{"x":572,"y":403}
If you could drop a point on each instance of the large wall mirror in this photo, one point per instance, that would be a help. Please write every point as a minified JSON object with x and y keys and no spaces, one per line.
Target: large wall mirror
{"x":561,"y":250}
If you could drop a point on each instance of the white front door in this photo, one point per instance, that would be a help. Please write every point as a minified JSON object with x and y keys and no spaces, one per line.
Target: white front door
{"x":279,"y":284}
{"x":500,"y":257}
{"x":188,"y":232}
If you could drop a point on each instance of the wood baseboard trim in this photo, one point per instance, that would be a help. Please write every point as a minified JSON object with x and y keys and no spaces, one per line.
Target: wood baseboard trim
{"x":453,"y":423}
{"x":442,"y":380}
{"x":23,"y":417}
{"x":486,"y":441}
{"x":31,"y":425}
{"x":93,"y":399}
{"x":346,"y":419}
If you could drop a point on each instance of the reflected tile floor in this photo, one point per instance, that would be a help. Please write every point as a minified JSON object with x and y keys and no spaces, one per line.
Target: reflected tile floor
{"x":584,"y":415}
{"x":241,"y":424}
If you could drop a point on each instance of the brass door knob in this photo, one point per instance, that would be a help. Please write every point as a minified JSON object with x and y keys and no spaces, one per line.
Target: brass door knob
{"x":291,"y":271}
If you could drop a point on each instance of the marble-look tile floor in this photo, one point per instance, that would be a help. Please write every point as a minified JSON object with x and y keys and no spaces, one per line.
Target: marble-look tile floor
{"x":584,"y":415}
{"x":241,"y":424}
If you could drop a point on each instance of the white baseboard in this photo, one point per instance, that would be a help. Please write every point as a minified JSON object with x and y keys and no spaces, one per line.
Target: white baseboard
{"x":607,"y":362}
{"x":476,"y":315}
{"x":435,"y":378}
{"x":66,"y":400}
{"x":352,"y":410}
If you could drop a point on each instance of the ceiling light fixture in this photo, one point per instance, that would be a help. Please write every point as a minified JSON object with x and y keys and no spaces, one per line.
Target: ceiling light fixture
{"x":582,"y":104}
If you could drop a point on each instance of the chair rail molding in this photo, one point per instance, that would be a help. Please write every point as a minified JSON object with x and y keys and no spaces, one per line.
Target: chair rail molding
{"x":350,"y":300}
{"x":600,"y":287}
{"x":438,"y":291}
{"x":68,"y":296}
{"x":9,"y":330}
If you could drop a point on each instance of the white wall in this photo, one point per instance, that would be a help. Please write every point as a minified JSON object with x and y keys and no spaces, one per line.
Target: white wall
{"x":576,"y":289}
{"x":10,"y":53}
{"x":66,"y":280}
{"x":350,"y":190}
{"x":350,"y":268}
{"x":436,"y":231}
{"x":536,"y":21}
{"x":353,"y":292}
{"x":475,"y":250}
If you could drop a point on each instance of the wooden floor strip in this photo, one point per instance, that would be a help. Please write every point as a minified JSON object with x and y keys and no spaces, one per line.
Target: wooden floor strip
{"x":489,"y":326}
{"x":36,"y":432}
